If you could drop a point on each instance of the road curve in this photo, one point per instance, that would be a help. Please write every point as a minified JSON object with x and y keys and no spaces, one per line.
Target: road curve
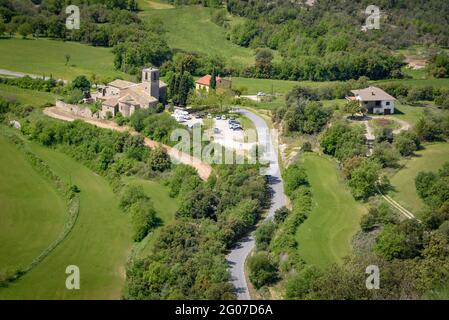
{"x":237,"y":257}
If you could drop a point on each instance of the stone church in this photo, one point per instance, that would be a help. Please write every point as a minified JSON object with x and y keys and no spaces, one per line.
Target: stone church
{"x":126,"y":97}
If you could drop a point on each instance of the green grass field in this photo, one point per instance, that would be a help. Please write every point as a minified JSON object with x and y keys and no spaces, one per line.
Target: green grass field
{"x":99,"y":243}
{"x":47,"y":57}
{"x":165,"y":207}
{"x":190,"y":28}
{"x":154,"y":4}
{"x":325,"y":237}
{"x":270,"y":86}
{"x":411,"y":114}
{"x":26,"y":96}
{"x":32,"y":213}
{"x":431,"y":158}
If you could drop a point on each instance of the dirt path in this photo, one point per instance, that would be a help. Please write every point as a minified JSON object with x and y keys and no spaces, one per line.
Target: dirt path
{"x":204,"y":170}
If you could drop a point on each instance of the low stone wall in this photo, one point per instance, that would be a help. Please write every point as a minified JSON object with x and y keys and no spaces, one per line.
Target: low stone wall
{"x":76,"y":110}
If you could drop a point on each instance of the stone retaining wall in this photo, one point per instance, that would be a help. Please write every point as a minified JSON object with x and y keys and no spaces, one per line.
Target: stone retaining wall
{"x":77,"y":110}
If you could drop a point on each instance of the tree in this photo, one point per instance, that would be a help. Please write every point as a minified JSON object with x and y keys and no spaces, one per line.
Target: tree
{"x":67,"y":59}
{"x":364,"y":179}
{"x":143,"y":218}
{"x":213,"y":80}
{"x":281,"y":214}
{"x":81,"y":83}
{"x":402,"y":241}
{"x":94,"y":79}
{"x":406,"y":143}
{"x":352,"y":107}
{"x":159,"y":160}
{"x":294,"y":177}
{"x":390,"y":243}
{"x":130,"y":195}
{"x":25,"y":29}
{"x":2,"y":27}
{"x":173,"y":86}
{"x":264,"y":58}
{"x":378,"y":217}
{"x":262,"y":271}
{"x":199,"y":203}
{"x":185,"y":85}
{"x":264,"y":234}
{"x":238,"y":91}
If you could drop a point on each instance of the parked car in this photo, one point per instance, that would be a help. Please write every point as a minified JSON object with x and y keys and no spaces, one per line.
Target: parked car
{"x":235,"y":126}
{"x":217,"y":118}
{"x":216,"y":130}
{"x":232,"y":118}
{"x":223,"y":117}
{"x":209,"y":116}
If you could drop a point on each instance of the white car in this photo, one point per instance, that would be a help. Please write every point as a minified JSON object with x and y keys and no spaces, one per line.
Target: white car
{"x":235,"y":126}
{"x":260,"y":94}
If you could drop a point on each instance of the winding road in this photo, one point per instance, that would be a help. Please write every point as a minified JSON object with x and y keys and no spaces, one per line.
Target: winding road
{"x":237,"y":257}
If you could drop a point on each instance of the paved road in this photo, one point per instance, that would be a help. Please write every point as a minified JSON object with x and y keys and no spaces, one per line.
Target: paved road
{"x":16,"y":74}
{"x":237,"y":256}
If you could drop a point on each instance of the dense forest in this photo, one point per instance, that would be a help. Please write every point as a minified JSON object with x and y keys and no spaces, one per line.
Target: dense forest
{"x":319,"y":42}
{"x":325,"y":41}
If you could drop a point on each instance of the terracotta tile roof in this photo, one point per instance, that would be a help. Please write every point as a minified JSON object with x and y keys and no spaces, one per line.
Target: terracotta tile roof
{"x":111,"y":102}
{"x":372,"y":94}
{"x":205,"y":81}
{"x":121,"y":84}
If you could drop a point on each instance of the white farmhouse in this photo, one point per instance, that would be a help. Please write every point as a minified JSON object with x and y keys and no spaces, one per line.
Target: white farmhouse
{"x":374,"y":99}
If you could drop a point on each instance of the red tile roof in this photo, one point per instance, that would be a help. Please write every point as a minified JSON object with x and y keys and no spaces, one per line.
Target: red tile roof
{"x":205,"y":81}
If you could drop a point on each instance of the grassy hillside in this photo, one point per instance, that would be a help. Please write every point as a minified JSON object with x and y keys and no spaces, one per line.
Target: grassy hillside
{"x":325,"y":237}
{"x":47,"y":57}
{"x":26,"y":96}
{"x":99,"y":243}
{"x":28,"y":223}
{"x":431,"y":158}
{"x":283,"y":86}
{"x":190,"y":28}
{"x":411,"y":114}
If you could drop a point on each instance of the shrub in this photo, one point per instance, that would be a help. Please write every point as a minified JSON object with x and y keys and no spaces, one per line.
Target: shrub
{"x":262,"y":271}
{"x":264,"y":234}
{"x":143,"y":218}
{"x":294,"y":176}
{"x":159,"y":160}
{"x":130,"y":195}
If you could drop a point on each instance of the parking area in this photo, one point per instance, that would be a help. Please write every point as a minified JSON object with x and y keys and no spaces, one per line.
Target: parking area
{"x":187,"y":119}
{"x":231,"y":139}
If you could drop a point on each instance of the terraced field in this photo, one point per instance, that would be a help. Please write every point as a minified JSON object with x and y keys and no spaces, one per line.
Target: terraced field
{"x":99,"y":243}
{"x":28,"y":223}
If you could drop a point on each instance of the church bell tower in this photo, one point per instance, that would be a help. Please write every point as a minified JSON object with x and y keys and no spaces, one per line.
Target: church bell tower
{"x":151,"y":77}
